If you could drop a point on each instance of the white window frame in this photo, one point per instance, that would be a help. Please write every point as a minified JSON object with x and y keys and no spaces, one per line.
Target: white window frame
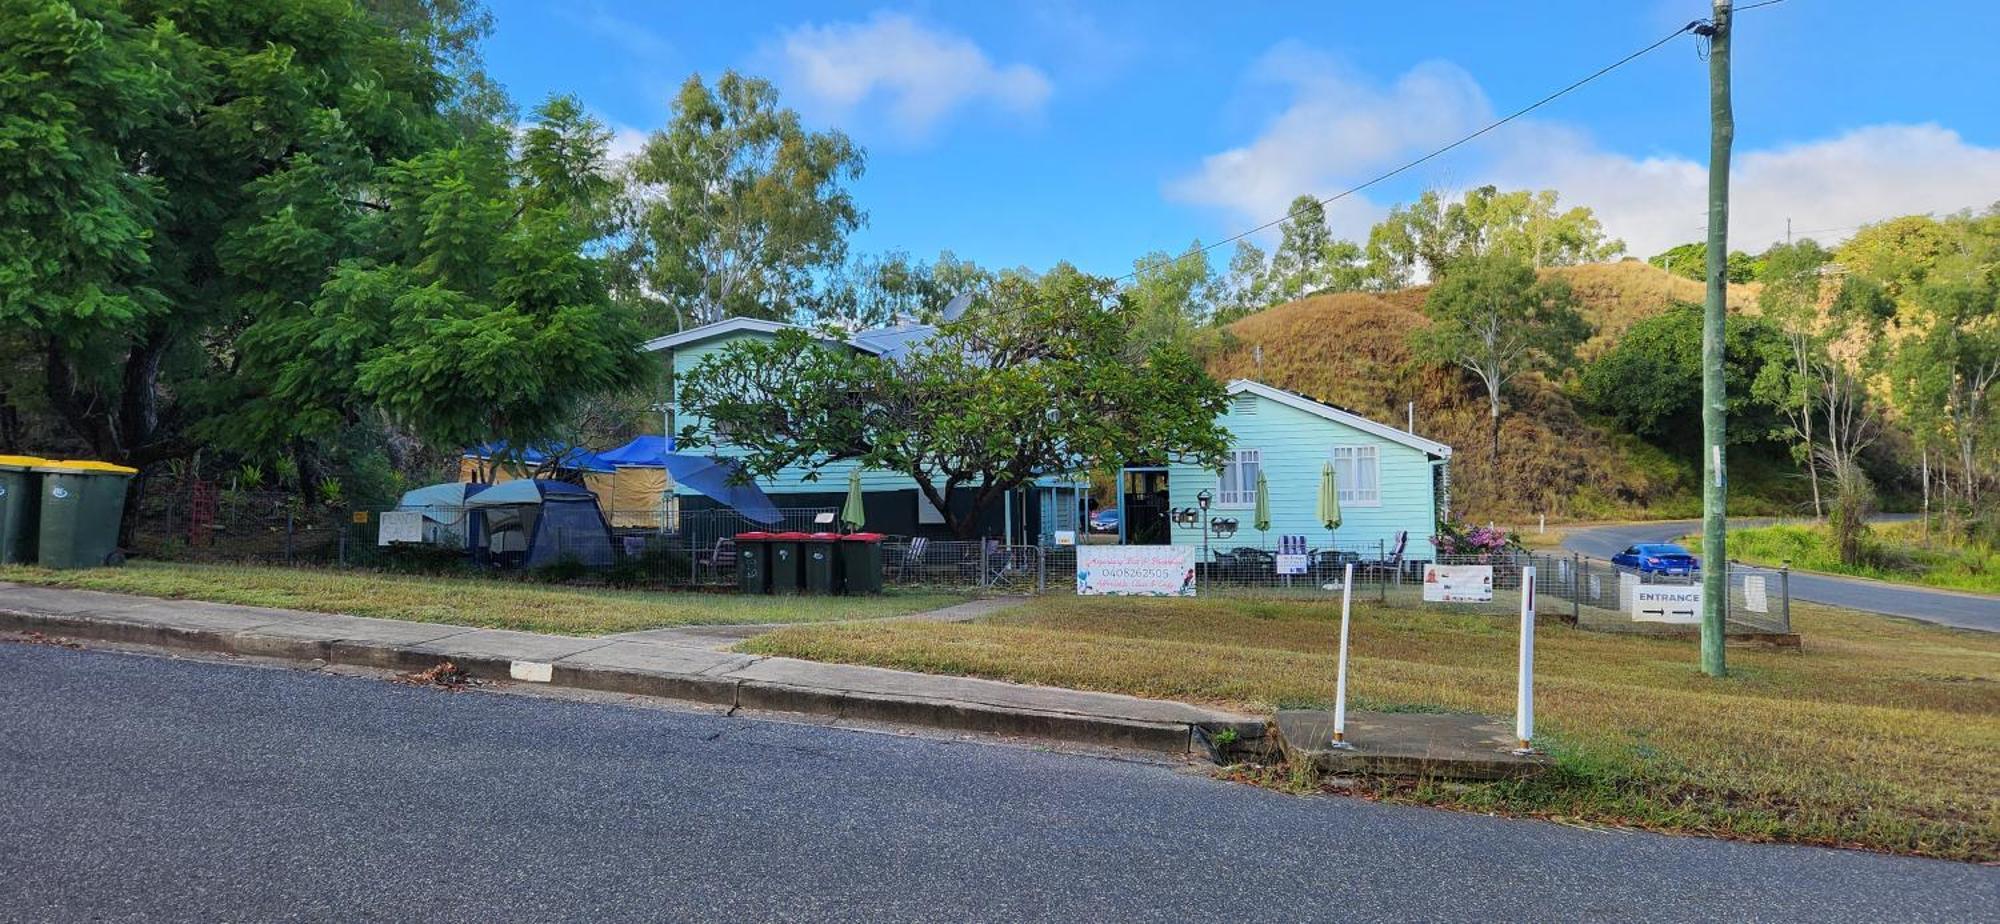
{"x":927,"y":513}
{"x":1244,"y":494}
{"x":1350,"y":462}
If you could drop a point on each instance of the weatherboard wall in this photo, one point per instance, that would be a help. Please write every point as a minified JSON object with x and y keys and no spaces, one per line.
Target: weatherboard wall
{"x":791,"y":480}
{"x":1294,"y":444}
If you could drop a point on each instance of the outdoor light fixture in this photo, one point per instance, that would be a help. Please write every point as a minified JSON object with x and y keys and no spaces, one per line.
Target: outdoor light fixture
{"x":1203,"y":498}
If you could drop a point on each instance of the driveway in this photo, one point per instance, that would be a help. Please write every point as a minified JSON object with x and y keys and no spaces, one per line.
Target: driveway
{"x":135,"y":787}
{"x":1944,"y":607}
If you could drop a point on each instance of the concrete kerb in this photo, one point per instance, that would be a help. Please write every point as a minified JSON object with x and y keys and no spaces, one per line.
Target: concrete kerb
{"x":657,"y":670}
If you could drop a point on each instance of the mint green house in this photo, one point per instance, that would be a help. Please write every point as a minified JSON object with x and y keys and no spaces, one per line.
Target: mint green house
{"x":1392,"y":483}
{"x":892,"y":500}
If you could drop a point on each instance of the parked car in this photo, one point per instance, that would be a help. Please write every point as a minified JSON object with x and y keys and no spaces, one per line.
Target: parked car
{"x":1104,"y":520}
{"x":1661,"y":559}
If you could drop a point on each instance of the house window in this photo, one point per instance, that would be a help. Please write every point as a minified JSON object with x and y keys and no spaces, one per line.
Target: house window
{"x":927,"y":513}
{"x":1239,"y":479}
{"x":1358,"y":474}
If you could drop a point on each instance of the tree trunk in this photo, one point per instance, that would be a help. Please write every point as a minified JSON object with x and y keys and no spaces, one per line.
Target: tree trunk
{"x":1493,"y":424}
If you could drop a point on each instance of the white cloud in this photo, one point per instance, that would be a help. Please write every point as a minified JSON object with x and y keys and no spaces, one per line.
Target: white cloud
{"x":625,"y":141}
{"x":920,"y":74}
{"x":1826,"y":187}
{"x":1337,"y":130}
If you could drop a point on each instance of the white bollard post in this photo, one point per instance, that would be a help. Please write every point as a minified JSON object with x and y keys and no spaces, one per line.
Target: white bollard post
{"x":1524,"y":693}
{"x":1340,"y":678}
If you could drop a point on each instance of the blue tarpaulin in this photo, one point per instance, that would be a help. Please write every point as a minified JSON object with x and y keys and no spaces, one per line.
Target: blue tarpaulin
{"x":570,"y":457}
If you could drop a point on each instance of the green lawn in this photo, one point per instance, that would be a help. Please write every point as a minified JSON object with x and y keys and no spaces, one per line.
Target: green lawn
{"x":1892,"y":552}
{"x":496,"y":603}
{"x":1880,"y":733}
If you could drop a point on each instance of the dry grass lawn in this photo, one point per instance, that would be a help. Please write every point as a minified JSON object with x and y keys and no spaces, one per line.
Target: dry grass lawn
{"x":1881,"y":734}
{"x":495,"y":603}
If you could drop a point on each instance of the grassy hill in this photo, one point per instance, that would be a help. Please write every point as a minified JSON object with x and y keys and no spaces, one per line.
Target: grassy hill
{"x":1352,"y":349}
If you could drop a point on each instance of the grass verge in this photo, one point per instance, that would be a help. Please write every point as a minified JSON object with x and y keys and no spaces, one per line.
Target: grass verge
{"x":1880,"y":734}
{"x":493,"y":603}
{"x":1890,"y":552}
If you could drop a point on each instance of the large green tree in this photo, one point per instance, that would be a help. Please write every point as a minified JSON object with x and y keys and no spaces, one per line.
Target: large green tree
{"x":248,"y":224}
{"x":1174,"y":300}
{"x":141,"y":140}
{"x":1790,"y":302}
{"x":1430,"y":235}
{"x":1309,"y":259}
{"x":466,"y":307}
{"x":1493,"y":317}
{"x":1035,"y":379}
{"x":1650,"y":381}
{"x":738,"y":207}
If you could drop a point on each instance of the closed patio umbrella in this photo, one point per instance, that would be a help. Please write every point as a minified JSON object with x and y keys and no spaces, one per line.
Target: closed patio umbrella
{"x":1329,"y":500}
{"x":1261,"y":516}
{"x":853,"y":513}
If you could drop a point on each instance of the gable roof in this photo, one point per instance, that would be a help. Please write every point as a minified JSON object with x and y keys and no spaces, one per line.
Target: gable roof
{"x":893,"y":340}
{"x":720,"y":328}
{"x":1349,"y":418}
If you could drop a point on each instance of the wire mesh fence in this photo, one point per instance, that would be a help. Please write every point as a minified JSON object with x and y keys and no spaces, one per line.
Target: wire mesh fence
{"x":700,"y":551}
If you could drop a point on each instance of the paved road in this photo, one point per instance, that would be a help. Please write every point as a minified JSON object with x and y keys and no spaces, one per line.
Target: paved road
{"x":1963,"y":610}
{"x":137,"y":787}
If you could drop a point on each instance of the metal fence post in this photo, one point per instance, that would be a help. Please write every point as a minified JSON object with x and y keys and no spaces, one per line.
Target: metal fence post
{"x":1785,"y":592}
{"x":1041,"y":570}
{"x":1381,"y":561}
{"x":341,"y":542}
{"x":1575,"y":598}
{"x":288,"y":537}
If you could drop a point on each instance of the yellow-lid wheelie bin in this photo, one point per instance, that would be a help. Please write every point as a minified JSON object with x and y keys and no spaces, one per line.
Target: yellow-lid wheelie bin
{"x":83,"y":504}
{"x":20,"y":501}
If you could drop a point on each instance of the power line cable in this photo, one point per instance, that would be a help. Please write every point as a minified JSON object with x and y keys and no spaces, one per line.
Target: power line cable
{"x":1531,"y":107}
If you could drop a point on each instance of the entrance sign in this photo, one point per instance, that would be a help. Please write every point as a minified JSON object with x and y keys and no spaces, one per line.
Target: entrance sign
{"x":1288,"y":563}
{"x":1666,"y":603}
{"x":1135,"y":570}
{"x":1458,"y":583}
{"x":1754,"y":598}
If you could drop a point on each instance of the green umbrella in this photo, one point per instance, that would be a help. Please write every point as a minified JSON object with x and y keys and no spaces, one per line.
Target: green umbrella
{"x":1261,"y":517}
{"x":1329,"y":500}
{"x":853,"y":514}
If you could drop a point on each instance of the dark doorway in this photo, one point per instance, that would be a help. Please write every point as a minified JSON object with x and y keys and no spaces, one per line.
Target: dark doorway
{"x":1146,"y":516}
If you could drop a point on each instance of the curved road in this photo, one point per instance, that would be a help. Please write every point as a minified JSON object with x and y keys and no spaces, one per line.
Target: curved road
{"x":1944,"y":607}
{"x":142,"y":788}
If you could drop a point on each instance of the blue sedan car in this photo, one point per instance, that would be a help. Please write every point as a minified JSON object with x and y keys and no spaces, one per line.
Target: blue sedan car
{"x":1104,"y":520}
{"x":1661,"y":559}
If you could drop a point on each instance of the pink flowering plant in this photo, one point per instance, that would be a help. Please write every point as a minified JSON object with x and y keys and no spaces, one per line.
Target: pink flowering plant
{"x":1481,"y":541}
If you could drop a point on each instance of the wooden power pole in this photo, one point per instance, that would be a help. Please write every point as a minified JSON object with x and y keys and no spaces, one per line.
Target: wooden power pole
{"x":1714,"y":407}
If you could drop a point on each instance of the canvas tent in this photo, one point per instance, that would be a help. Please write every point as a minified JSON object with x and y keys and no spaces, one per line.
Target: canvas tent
{"x":538,"y":522}
{"x":434,"y":515}
{"x":641,"y":494}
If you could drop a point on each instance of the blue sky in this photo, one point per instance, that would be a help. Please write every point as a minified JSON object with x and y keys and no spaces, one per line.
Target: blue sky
{"x":1026,"y":133}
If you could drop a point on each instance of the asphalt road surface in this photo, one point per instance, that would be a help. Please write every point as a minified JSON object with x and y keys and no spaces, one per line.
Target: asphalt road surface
{"x":1945,"y":607}
{"x":141,"y":787}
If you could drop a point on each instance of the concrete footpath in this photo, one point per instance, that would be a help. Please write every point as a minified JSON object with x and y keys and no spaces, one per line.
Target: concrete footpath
{"x":677,"y":664}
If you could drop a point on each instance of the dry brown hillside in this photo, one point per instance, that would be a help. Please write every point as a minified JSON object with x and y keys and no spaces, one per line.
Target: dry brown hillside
{"x":1352,"y":349}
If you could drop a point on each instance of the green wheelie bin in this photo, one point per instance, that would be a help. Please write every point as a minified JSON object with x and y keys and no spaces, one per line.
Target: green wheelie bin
{"x":820,"y":563}
{"x":20,"y":501}
{"x":83,"y":504}
{"x":753,"y":562}
{"x":785,"y":563}
{"x":861,"y":562}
